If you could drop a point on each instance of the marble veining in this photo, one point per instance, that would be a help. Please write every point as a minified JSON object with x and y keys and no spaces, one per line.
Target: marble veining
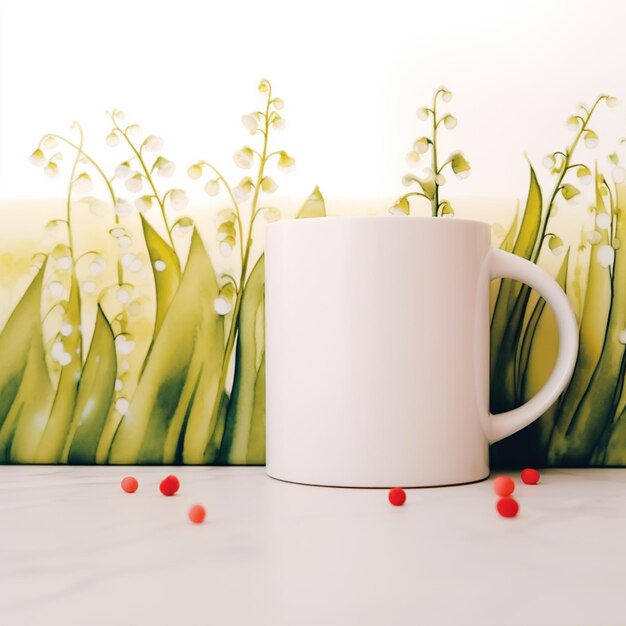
{"x":76,"y":550}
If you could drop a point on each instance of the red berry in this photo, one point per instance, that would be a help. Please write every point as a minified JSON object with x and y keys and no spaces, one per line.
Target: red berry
{"x":507,"y":507}
{"x":503,"y":486}
{"x":169,"y":485}
{"x":197,"y":514}
{"x":397,"y":496}
{"x":130,"y":484}
{"x":530,"y":476}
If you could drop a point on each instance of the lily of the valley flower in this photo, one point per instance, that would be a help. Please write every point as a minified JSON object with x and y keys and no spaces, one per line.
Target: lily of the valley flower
{"x":264,"y":86}
{"x":278,"y":103}
{"x":412,"y":158}
{"x":243,"y":189}
{"x":123,"y":207}
{"x":82,"y":183}
{"x":401,"y":207}
{"x":548,"y":161}
{"x":97,"y":266}
{"x":422,"y":114}
{"x":112,"y":139}
{"x":606,"y":255}
{"x":449,"y":121}
{"x":178,"y":199}
{"x":569,"y":191}
{"x":134,"y":183}
{"x":223,"y":304}
{"x":440,"y":180}
{"x":226,"y":230}
{"x":271,"y":214}
{"x":144,"y":203}
{"x":268,"y":185}
{"x":123,"y":170}
{"x":590,"y":138}
{"x":183,"y":224}
{"x":212,"y":187}
{"x":152,"y":143}
{"x":603,"y":220}
{"x":611,"y":101}
{"x":583,"y":173}
{"x":446,"y":94}
{"x":421,"y":145}
{"x":618,"y":174}
{"x":446,"y":208}
{"x":37,"y":158}
{"x":555,"y":243}
{"x":460,"y":165}
{"x":133,"y":130}
{"x":250,"y":122}
{"x":285,"y":162}
{"x":226,"y":246}
{"x":164,"y":167}
{"x":278,"y":122}
{"x":50,"y":142}
{"x":244,"y":158}
{"x":573,"y":122}
{"x":195,"y":171}
{"x":51,"y":169}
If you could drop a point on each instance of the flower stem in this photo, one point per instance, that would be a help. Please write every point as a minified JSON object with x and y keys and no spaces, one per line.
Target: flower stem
{"x":232,"y":333}
{"x":567,"y":156}
{"x":435,"y":200}
{"x":235,"y":205}
{"x":147,"y":176}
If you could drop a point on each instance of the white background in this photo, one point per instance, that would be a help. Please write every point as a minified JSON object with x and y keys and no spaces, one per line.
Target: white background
{"x":352,"y":75}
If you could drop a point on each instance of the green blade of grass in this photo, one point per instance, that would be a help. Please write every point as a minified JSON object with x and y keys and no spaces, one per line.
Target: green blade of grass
{"x":593,"y":327}
{"x":250,"y":346}
{"x":181,"y":371}
{"x":244,"y":436}
{"x":95,"y":394}
{"x":509,"y":293}
{"x":25,"y":390}
{"x":58,"y":424}
{"x":166,"y":276}
{"x":595,"y":409}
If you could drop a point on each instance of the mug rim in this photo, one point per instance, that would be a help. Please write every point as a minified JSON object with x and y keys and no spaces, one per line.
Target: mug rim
{"x":387,"y":218}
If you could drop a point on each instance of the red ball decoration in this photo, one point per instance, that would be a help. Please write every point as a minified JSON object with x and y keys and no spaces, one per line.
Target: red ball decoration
{"x":503,"y":486}
{"x":530,"y":476}
{"x":397,"y":496}
{"x":169,"y":485}
{"x":507,"y":507}
{"x":130,"y":484}
{"x":197,"y":514}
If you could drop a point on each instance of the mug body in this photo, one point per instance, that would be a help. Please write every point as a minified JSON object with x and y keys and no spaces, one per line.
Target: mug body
{"x":377,"y":339}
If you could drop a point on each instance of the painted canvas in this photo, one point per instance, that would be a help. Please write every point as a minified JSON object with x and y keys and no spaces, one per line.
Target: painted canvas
{"x":131,"y":257}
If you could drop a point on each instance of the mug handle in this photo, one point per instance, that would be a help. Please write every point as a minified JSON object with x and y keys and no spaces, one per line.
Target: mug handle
{"x":506,"y":265}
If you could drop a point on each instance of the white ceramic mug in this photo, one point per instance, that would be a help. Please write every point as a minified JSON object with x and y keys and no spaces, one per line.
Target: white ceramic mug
{"x":377,"y":335}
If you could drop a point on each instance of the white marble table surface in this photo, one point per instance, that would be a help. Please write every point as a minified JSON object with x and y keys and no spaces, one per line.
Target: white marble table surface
{"x":76,"y":550}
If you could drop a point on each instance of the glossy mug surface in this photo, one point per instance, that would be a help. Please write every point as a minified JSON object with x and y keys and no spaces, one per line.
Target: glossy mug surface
{"x":377,"y":350}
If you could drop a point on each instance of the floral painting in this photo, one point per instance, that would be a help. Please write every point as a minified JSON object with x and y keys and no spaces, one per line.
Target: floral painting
{"x":135,"y":331}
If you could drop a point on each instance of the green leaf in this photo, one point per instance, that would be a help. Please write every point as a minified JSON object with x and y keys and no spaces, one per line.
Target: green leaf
{"x":250,"y":345}
{"x":244,"y":435}
{"x":596,"y":408}
{"x":94,"y":398}
{"x":57,"y":426}
{"x":314,"y":206}
{"x":177,"y":390}
{"x":593,"y":330}
{"x":508,"y":315}
{"x":25,"y":389}
{"x":166,"y":280}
